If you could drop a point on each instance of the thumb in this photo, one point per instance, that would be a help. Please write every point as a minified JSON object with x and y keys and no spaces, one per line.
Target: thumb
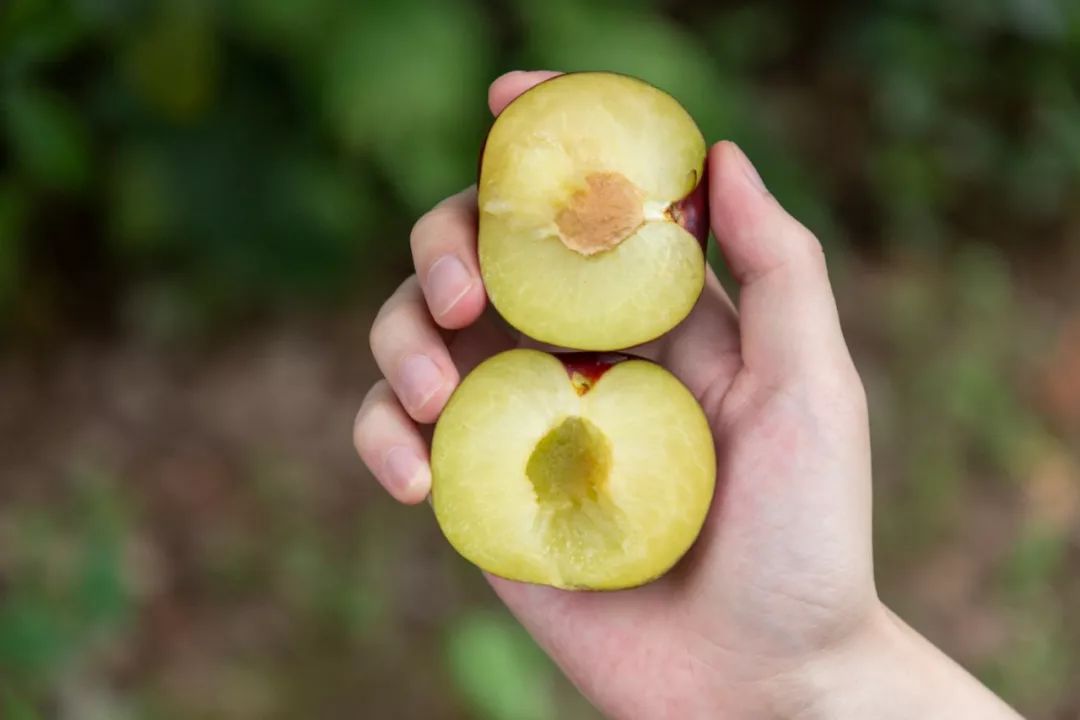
{"x":787,"y":315}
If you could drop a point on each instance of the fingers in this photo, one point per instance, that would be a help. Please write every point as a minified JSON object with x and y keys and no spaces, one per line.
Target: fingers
{"x":385,"y":434}
{"x":444,"y":240}
{"x":486,"y":337}
{"x":409,"y":349}
{"x":411,"y":354}
{"x":509,"y":85}
{"x":788,"y":317}
{"x":444,"y":252}
{"x":391,"y":446}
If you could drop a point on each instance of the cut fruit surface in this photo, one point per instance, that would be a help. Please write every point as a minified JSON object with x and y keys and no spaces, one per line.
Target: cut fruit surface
{"x":571,"y":471}
{"x":592,"y":213}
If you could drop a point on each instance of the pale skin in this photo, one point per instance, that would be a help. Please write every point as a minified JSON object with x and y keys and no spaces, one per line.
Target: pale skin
{"x":774,"y":612}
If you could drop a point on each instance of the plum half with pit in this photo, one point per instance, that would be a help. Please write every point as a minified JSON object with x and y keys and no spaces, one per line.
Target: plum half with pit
{"x":592,"y":212}
{"x":576,"y":470}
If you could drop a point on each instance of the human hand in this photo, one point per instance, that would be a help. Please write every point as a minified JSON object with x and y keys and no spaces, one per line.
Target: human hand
{"x":774,"y":610}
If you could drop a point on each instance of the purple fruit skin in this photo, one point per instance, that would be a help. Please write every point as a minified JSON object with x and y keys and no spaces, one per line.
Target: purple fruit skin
{"x":692,"y":212}
{"x":590,"y":366}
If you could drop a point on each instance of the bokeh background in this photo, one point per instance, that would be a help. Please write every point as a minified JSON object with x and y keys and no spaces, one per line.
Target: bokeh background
{"x":203,"y":202}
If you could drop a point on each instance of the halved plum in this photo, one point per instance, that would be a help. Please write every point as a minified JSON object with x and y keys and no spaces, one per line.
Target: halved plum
{"x":573,"y":470}
{"x":592,"y":212}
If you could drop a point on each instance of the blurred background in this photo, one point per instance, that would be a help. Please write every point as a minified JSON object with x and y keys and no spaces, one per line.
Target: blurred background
{"x":202,"y":204}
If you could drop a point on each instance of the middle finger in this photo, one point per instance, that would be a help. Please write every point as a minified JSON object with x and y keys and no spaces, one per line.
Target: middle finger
{"x":444,"y":252}
{"x":411,"y":353}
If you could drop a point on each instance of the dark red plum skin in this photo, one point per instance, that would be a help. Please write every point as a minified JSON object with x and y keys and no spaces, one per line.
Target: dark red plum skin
{"x":589,"y":367}
{"x":692,"y":212}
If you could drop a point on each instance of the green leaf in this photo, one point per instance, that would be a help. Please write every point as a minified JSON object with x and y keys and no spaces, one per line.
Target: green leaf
{"x":103,"y":596}
{"x":14,"y":707}
{"x":32,"y":636}
{"x":35,"y":32}
{"x":751,"y":34}
{"x":99,"y":592}
{"x":405,"y":82}
{"x":142,"y":199}
{"x":173,"y":63}
{"x":498,"y":669}
{"x":286,"y":25}
{"x":49,"y":138}
{"x":1037,"y":556}
{"x":572,"y":36}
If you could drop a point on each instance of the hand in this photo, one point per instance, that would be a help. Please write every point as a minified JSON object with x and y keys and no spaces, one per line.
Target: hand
{"x":774,"y":611}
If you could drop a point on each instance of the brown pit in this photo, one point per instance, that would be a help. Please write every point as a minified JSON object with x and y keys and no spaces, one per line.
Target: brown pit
{"x":601,"y":215}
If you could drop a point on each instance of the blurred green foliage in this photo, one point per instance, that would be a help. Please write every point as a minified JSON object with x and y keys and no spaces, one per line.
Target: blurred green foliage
{"x":66,"y":590}
{"x":498,"y":668}
{"x":173,"y":168}
{"x":182,"y":162}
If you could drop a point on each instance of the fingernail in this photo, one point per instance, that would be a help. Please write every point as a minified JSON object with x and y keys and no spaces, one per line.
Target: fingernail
{"x":447,"y":283}
{"x":404,"y":470}
{"x":749,"y":170}
{"x":419,"y":379}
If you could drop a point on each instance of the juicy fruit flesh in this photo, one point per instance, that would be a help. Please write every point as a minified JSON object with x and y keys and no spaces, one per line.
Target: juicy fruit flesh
{"x":626,"y":296}
{"x":580,"y":240}
{"x":535,"y":482}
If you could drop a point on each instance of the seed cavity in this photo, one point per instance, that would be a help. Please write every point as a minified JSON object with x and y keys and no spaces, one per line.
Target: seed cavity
{"x":601,"y":215}
{"x":569,"y":470}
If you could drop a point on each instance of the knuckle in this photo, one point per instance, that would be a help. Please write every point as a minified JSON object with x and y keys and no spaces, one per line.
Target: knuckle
{"x":802,"y":253}
{"x":809,"y":247}
{"x":424,"y":227}
{"x":451,"y":216}
{"x":838,"y":387}
{"x":849,"y":391}
{"x":367,"y":417}
{"x":391,"y":312}
{"x":856,"y":393}
{"x":363,"y":414}
{"x":432,"y":224}
{"x":378,"y":328}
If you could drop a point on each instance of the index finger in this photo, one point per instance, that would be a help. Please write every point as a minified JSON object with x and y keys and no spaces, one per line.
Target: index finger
{"x":444,"y":239}
{"x":509,"y":85}
{"x":443,"y":244}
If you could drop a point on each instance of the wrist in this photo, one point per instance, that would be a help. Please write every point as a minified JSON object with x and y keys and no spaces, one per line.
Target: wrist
{"x":884,"y":669}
